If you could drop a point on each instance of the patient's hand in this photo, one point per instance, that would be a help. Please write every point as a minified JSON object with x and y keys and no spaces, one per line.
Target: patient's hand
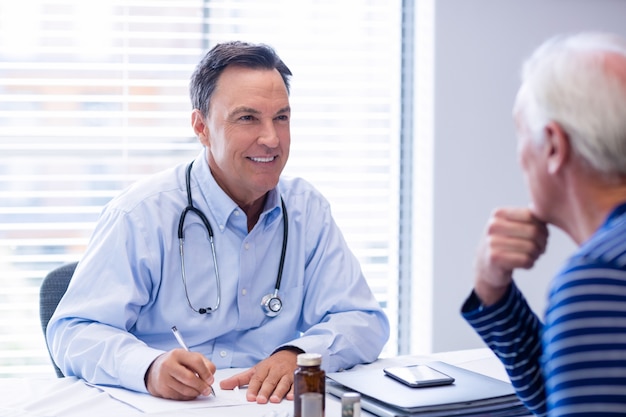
{"x":514,"y":238}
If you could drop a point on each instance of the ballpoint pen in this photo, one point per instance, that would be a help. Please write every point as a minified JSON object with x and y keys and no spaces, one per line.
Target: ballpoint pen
{"x":182,"y":344}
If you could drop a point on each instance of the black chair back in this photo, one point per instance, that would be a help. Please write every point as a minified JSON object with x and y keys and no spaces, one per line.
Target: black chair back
{"x":51,"y":291}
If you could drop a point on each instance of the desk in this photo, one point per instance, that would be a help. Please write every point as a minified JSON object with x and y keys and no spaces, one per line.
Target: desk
{"x":69,"y":397}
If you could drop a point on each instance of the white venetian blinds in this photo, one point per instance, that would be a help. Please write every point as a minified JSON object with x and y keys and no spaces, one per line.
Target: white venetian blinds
{"x":93,"y":96}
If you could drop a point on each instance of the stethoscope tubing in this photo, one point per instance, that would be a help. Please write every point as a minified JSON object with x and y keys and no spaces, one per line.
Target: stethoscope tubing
{"x":266,"y":302}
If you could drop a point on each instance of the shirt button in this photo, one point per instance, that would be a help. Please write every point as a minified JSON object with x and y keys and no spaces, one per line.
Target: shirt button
{"x":246,"y":245}
{"x":236,"y":212}
{"x":223,"y":353}
{"x":244,"y":292}
{"x":221,"y":227}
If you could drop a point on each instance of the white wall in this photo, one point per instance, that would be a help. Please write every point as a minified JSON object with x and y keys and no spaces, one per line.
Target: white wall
{"x":479,"y":46}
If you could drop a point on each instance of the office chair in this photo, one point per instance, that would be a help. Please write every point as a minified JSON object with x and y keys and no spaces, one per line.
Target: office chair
{"x":52,"y":289}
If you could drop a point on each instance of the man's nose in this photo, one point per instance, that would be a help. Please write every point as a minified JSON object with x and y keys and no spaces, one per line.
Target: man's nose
{"x":268,"y":135}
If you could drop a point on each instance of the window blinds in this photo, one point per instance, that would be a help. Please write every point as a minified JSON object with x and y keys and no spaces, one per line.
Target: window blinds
{"x":93,"y":96}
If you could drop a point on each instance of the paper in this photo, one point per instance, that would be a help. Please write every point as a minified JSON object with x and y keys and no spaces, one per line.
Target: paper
{"x":12,"y":412}
{"x":151,"y":404}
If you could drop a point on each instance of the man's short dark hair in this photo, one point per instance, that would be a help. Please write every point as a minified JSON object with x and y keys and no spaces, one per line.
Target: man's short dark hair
{"x":204,"y":78}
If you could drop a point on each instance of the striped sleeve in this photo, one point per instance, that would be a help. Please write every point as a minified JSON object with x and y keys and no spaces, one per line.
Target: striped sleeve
{"x":575,"y":364}
{"x":513,"y":332}
{"x":585,"y":339}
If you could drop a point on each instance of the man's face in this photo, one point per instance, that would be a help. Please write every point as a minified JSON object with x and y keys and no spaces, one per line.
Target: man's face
{"x":246,"y":132}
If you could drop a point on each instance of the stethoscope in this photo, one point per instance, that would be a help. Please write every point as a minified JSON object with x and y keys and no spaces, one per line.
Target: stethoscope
{"x":271,"y":303}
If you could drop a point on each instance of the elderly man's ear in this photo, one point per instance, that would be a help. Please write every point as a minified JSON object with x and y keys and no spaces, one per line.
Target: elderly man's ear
{"x":557,"y":147}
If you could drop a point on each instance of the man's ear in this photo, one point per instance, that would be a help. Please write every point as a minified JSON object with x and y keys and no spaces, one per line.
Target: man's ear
{"x":558,"y":147}
{"x":199,"y":127}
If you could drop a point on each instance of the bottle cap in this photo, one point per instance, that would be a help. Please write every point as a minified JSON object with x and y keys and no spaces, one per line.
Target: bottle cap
{"x":309,"y":359}
{"x":351,"y":397}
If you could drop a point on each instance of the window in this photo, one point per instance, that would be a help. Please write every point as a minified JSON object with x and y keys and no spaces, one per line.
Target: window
{"x":93,"y":96}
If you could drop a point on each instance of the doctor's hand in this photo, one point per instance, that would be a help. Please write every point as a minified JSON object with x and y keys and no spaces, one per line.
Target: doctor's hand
{"x":270,"y":380}
{"x":514,"y":238}
{"x":180,"y":375}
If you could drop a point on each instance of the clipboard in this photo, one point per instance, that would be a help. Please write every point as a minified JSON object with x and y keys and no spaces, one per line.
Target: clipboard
{"x":471,"y":394}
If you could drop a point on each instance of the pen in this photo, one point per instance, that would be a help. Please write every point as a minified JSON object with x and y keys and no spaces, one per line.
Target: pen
{"x":180,"y":339}
{"x":182,"y":344}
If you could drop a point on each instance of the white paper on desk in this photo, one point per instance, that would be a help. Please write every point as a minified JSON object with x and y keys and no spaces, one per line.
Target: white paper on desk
{"x":12,"y":412}
{"x":150,"y":404}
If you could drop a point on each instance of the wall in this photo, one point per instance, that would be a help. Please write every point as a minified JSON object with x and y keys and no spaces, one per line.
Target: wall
{"x":478,"y":49}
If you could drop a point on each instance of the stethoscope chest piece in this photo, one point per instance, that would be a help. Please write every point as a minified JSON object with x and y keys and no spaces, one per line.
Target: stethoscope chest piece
{"x":272,"y":304}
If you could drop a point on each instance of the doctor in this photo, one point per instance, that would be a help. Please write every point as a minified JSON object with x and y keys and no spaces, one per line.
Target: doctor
{"x":250,"y":267}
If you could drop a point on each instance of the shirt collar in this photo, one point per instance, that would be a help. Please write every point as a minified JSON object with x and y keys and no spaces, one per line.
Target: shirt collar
{"x":219,"y":203}
{"x":617,"y":214}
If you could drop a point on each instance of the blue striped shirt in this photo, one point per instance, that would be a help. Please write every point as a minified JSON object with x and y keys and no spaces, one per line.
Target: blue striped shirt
{"x":575,"y":363}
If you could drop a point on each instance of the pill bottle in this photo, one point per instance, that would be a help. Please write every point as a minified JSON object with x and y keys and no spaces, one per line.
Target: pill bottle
{"x":351,"y":404}
{"x":309,"y":377}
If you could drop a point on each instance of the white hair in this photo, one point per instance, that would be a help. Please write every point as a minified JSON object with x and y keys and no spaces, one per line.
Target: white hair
{"x":579,"y":82}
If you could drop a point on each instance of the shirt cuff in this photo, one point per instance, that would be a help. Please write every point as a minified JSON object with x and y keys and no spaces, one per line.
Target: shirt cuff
{"x":134,"y":367}
{"x":290,"y":348}
{"x":471,"y":304}
{"x":473,"y":307}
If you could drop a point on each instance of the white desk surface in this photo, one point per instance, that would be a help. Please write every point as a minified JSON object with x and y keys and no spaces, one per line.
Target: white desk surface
{"x":69,"y":397}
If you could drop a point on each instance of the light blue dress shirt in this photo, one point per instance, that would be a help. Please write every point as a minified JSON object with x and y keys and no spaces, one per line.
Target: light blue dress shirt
{"x":127,"y":291}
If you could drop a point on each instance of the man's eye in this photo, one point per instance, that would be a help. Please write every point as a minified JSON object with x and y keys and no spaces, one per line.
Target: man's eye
{"x":283,"y":117}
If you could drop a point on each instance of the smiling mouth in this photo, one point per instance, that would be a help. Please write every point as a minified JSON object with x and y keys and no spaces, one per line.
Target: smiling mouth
{"x":262,"y":159}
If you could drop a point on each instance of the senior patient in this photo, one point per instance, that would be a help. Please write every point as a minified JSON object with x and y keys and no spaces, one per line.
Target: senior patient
{"x":570,"y":115}
{"x":249,"y":266}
